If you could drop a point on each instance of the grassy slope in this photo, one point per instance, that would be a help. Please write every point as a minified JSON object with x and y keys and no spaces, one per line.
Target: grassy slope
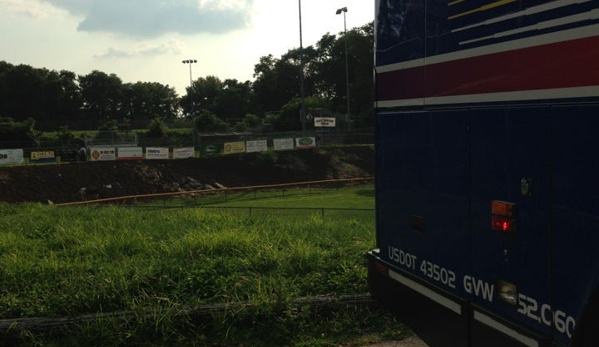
{"x":70,"y":261}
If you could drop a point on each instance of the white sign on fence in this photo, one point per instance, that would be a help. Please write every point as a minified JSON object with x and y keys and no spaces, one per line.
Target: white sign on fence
{"x":183,"y":153}
{"x":156,"y":153}
{"x":255,"y":146}
{"x":11,"y":156}
{"x":283,"y":144}
{"x":102,"y":153}
{"x":329,"y":122}
{"x":130,"y":153}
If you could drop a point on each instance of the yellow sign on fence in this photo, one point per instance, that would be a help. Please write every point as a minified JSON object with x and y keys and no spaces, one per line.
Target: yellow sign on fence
{"x":234,"y":147}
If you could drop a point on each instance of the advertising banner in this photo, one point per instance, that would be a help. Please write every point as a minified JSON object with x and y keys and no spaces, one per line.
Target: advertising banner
{"x":183,"y":153}
{"x":68,"y":155}
{"x":11,"y":156}
{"x":156,"y":153}
{"x":305,"y":142}
{"x":256,"y":146}
{"x":42,"y":157}
{"x":234,"y":147}
{"x":325,"y":122}
{"x":283,"y":144}
{"x":102,"y":153}
{"x":210,"y":150}
{"x":130,"y":153}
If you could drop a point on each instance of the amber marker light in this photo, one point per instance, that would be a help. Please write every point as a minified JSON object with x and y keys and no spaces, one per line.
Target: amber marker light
{"x":502,"y":216}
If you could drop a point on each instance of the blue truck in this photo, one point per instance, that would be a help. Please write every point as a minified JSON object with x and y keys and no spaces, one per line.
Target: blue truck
{"x":487,"y":170}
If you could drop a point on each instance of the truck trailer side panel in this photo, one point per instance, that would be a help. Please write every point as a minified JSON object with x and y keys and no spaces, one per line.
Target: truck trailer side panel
{"x":487,"y":115}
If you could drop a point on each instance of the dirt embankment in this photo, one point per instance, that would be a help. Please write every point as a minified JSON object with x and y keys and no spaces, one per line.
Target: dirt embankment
{"x":90,"y":180}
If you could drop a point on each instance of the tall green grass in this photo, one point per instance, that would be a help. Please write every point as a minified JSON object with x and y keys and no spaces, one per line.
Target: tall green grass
{"x":57,"y":262}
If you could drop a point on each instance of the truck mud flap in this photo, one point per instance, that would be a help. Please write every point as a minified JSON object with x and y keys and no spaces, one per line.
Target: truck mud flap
{"x":436,"y":318}
{"x":439,"y":319}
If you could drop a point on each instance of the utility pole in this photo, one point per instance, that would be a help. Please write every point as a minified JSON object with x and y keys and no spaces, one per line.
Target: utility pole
{"x":302,"y":105}
{"x":344,"y":11}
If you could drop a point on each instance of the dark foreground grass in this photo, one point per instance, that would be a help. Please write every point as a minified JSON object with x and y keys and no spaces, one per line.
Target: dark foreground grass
{"x":159,"y":264}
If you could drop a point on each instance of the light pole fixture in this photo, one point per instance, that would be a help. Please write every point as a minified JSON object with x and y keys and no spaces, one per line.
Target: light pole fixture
{"x":339,"y":11}
{"x":190,"y":62}
{"x":302,"y":105}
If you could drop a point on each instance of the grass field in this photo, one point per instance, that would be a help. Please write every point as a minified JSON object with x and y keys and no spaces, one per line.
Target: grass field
{"x":65,"y":262}
{"x":294,"y":203}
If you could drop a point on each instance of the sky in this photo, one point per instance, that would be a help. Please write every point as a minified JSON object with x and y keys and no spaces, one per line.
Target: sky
{"x":147,"y":40}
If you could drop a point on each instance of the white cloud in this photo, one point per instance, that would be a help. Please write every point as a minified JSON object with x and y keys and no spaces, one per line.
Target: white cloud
{"x":27,"y":8}
{"x":77,"y":7}
{"x":152,"y":18}
{"x":147,"y":50}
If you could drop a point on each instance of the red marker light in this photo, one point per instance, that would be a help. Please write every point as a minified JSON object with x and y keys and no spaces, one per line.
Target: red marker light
{"x":502,"y":224}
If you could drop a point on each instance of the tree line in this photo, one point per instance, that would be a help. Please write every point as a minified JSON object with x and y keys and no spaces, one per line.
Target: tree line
{"x":49,"y":100}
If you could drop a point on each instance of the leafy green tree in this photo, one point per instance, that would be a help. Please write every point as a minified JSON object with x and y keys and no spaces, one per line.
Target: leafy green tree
{"x":102,"y":96}
{"x":227,"y":100}
{"x":233,"y":101}
{"x":265,"y":86}
{"x":278,"y":85}
{"x":70,"y":100}
{"x":325,"y":70}
{"x":23,"y":92}
{"x":361,"y":45}
{"x":329,"y":71}
{"x":201,"y":96}
{"x":143,"y":100}
{"x":279,"y":80}
{"x":61,"y":99}
{"x":50,"y":97}
{"x":4,"y":88}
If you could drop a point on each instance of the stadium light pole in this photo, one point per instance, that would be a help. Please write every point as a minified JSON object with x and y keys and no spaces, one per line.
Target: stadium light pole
{"x":302,"y":105}
{"x":190,"y":62}
{"x":344,"y":11}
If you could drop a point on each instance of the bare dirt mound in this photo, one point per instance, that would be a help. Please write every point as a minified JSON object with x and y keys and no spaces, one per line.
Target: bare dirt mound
{"x":82,"y":181}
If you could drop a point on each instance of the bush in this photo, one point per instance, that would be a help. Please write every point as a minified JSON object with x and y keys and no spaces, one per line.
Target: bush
{"x":157,"y":128}
{"x":207,"y":122}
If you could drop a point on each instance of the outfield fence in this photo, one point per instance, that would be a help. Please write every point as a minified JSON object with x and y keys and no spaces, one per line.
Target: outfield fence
{"x":109,"y":149}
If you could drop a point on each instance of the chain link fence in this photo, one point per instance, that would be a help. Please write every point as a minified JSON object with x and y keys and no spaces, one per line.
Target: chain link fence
{"x":324,"y":137}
